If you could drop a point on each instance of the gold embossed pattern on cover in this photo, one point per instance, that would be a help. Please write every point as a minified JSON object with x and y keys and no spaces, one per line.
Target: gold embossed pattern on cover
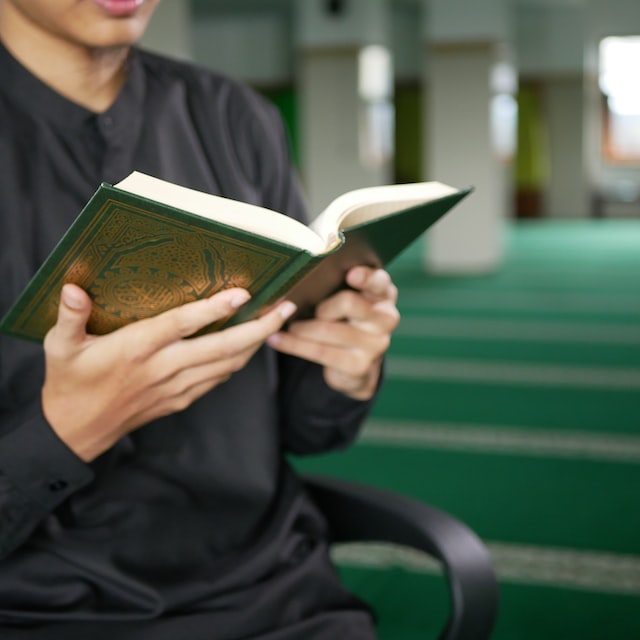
{"x":136,"y":263}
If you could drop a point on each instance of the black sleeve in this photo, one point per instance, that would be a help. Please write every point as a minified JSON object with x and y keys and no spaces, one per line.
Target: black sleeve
{"x":37,"y":473}
{"x":315,"y":417}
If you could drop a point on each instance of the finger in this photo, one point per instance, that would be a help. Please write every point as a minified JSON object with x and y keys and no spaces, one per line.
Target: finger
{"x":177,"y":391}
{"x":256,"y":331}
{"x":188,"y":319}
{"x":174,"y":391}
{"x":73,"y":314}
{"x":229,"y":343}
{"x":168,"y":405}
{"x":353,"y":306}
{"x":339,"y":334}
{"x":355,"y":362}
{"x":184,"y":381}
{"x":376,"y":282}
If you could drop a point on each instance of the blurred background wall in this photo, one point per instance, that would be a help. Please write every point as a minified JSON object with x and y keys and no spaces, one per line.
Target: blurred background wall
{"x":513,"y":391}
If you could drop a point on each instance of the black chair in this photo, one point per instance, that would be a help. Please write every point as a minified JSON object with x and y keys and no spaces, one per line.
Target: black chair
{"x":359,"y":513}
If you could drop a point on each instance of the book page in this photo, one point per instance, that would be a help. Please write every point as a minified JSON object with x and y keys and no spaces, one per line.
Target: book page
{"x":369,"y":203}
{"x":252,"y":218}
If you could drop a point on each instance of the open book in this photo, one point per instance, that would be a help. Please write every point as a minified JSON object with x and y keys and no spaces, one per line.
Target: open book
{"x":146,"y":245}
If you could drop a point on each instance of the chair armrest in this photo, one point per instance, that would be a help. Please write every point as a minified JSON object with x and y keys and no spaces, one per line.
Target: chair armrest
{"x":360,"y":513}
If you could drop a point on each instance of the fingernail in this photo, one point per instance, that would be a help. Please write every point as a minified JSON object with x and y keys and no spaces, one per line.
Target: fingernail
{"x":274,"y":340}
{"x":71,"y":298}
{"x":357,"y":277}
{"x":239,"y":299}
{"x":287,"y":309}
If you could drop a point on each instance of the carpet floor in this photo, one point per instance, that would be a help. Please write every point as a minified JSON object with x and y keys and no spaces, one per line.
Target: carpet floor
{"x":512,"y":401}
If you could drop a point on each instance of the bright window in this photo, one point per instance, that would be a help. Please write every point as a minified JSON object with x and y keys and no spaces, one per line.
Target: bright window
{"x":619,"y":62}
{"x":375,"y":87}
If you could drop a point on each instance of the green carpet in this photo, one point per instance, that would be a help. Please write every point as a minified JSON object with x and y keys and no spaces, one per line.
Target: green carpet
{"x":513,"y":402}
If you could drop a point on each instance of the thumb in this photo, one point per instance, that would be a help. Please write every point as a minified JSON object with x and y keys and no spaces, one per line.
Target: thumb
{"x":73,"y":313}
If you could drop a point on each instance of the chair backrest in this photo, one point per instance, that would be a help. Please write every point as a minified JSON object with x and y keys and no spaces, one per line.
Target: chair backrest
{"x":362,"y":513}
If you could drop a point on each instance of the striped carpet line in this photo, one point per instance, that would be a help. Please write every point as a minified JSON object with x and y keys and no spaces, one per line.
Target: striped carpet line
{"x":523,"y":331}
{"x":605,"y":447}
{"x":589,"y":274}
{"x":421,"y":298}
{"x":513,"y":373}
{"x":526,"y":564}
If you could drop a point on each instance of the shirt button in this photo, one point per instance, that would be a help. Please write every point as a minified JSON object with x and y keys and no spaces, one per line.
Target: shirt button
{"x":58,"y":485}
{"x":107,"y":121}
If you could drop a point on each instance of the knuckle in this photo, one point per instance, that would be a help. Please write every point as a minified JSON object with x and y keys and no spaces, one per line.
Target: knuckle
{"x":180,"y":324}
{"x":392,"y":310}
{"x":226,"y":351}
{"x":271,"y":323}
{"x":188,"y":395}
{"x":384,"y":342}
{"x":180,"y":386}
{"x":237,"y":363}
{"x":181,"y":402}
{"x":350,"y":297}
{"x":360,"y":364}
{"x":49,"y":343}
{"x":53,"y":346}
{"x":389,"y":315}
{"x":134,"y":355}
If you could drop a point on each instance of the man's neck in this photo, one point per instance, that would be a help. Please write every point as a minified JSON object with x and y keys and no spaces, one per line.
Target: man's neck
{"x":90,"y":77}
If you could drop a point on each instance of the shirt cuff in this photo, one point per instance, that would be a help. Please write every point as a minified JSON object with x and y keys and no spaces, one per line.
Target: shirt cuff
{"x":317,"y":418}
{"x":331,"y":406}
{"x":39,"y":464}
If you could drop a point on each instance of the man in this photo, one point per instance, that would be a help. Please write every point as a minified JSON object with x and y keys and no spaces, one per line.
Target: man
{"x":144,"y":489}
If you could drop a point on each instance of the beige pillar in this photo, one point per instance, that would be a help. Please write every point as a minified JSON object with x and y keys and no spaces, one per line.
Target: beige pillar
{"x":342,"y":128}
{"x":465,"y":40}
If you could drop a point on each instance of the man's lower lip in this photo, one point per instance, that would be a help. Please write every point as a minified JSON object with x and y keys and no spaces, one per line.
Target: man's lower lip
{"x":119,"y":7}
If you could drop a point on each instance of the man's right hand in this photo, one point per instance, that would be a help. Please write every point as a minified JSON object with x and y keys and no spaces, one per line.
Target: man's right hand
{"x":99,"y":388}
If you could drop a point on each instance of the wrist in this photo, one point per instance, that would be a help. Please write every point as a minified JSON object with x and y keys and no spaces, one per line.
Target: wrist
{"x":82,"y":438}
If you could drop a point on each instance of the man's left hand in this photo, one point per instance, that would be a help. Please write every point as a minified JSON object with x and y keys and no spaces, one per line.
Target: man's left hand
{"x":350,"y":333}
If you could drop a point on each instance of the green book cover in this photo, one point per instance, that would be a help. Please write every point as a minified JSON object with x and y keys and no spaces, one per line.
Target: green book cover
{"x":137,"y":257}
{"x":374,"y":243}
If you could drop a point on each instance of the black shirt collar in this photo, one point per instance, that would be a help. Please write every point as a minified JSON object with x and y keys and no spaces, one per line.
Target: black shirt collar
{"x":34,"y":96}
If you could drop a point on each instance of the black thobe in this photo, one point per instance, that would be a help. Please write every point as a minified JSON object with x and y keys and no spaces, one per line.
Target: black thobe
{"x":193,"y":526}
